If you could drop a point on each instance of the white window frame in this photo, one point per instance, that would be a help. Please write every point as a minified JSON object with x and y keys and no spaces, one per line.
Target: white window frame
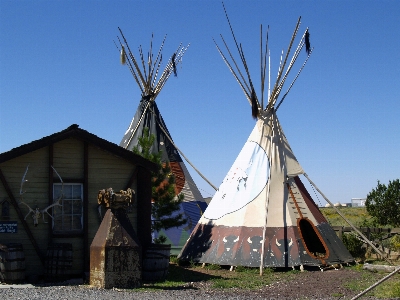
{"x":60,"y":213}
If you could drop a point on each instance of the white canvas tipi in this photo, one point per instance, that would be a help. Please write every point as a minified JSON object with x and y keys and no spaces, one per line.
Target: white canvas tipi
{"x":148,"y":115}
{"x":262,"y":215}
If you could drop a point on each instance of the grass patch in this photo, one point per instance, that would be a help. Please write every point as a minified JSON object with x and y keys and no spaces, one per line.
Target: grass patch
{"x":212,"y":267}
{"x":367,"y":279}
{"x":216,"y":276}
{"x":173,"y":259}
{"x":356,"y":215}
{"x":242,"y":269}
{"x":388,"y":289}
{"x":337,"y":295}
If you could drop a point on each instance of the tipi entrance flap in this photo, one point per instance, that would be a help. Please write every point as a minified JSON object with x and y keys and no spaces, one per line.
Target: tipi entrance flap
{"x":312,"y":239}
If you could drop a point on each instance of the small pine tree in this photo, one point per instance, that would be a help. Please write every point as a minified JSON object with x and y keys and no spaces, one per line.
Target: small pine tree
{"x":165,"y":203}
{"x":383,"y":203}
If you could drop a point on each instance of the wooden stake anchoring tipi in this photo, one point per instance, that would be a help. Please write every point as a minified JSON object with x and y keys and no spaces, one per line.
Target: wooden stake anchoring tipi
{"x":146,"y":73}
{"x":262,"y":215}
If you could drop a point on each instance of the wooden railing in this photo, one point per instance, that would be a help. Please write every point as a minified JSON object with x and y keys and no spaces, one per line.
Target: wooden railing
{"x":366,"y":230}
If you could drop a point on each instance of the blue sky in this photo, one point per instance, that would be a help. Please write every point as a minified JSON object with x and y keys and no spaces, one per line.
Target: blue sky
{"x":59,"y":66}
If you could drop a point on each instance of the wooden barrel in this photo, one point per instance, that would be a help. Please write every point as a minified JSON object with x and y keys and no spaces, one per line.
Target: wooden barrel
{"x":58,"y":262}
{"x":12,"y":264}
{"x":156,"y":263}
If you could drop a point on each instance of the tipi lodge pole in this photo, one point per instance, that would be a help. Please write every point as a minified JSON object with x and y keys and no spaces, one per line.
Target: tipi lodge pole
{"x":266,"y":210}
{"x":233,"y":72}
{"x":376,"y":284}
{"x":344,"y":218}
{"x":294,"y":80}
{"x":137,"y":126}
{"x":198,"y":172}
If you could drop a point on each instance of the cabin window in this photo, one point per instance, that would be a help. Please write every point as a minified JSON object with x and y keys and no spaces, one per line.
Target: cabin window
{"x":68,"y":218}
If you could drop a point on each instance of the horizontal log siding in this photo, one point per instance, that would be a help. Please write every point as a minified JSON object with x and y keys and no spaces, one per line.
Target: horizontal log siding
{"x":36,"y":195}
{"x":68,"y":159}
{"x":106,"y":171}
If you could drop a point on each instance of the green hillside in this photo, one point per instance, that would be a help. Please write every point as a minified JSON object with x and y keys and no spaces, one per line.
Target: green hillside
{"x":356,"y":215}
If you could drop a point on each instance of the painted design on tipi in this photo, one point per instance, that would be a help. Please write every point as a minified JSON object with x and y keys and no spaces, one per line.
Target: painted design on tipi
{"x":244,"y":181}
{"x":262,"y":215}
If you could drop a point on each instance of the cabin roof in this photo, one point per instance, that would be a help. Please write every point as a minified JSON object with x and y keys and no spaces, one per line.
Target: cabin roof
{"x":74,"y":131}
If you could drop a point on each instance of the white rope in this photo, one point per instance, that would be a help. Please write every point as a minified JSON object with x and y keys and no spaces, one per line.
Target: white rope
{"x":198,"y":172}
{"x":344,"y":218}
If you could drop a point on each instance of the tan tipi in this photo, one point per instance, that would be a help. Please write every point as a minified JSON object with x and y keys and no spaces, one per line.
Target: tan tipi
{"x":151,"y":79}
{"x":262,"y":215}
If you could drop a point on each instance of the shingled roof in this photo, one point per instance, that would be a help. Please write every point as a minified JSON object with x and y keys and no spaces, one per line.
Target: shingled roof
{"x":74,"y":131}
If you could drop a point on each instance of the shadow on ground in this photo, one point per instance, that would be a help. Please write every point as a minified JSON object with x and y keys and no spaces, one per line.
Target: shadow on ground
{"x":179,"y":274}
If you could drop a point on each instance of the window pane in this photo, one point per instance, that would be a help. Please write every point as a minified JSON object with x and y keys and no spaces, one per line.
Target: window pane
{"x":57,"y":191}
{"x":67,"y":220}
{"x":77,"y":224}
{"x":67,"y":191}
{"x":77,"y":192}
{"x":77,"y":207}
{"x":57,"y":210}
{"x":67,"y":205}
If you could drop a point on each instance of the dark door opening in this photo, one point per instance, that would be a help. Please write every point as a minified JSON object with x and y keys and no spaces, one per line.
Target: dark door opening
{"x":312,"y":240}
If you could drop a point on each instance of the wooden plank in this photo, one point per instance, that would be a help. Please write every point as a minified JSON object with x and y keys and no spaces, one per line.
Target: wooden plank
{"x":50,"y":189}
{"x":383,"y":268}
{"x":21,"y":217}
{"x":86,"y":246}
{"x":395,"y":231}
{"x":367,"y":229}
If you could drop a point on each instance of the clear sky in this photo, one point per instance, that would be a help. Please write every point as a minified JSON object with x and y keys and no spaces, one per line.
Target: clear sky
{"x":59,"y":66}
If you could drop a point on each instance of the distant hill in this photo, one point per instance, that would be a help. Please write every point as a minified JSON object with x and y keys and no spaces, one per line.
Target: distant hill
{"x":356,"y":215}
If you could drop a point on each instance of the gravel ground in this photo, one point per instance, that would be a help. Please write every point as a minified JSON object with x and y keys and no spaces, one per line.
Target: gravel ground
{"x":308,"y":285}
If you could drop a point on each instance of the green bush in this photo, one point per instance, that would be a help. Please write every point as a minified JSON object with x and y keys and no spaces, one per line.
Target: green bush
{"x":354,"y":245}
{"x":395,"y":243}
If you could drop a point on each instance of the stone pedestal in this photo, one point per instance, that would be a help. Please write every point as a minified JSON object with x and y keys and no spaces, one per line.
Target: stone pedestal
{"x":115,"y":253}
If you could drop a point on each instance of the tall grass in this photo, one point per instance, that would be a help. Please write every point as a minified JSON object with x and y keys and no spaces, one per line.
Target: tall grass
{"x":358,"y":216}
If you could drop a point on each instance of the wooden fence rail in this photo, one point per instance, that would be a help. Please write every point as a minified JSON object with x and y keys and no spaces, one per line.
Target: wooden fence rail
{"x":367,"y":230}
{"x":389,"y":232}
